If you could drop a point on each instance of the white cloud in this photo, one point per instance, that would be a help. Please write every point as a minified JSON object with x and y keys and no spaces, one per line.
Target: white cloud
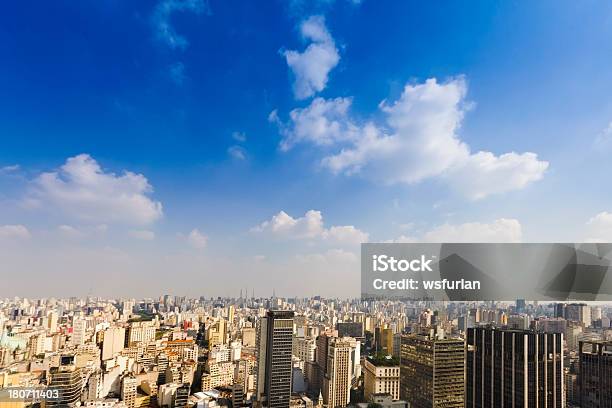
{"x":419,"y":141}
{"x":82,"y":189}
{"x":311,"y":67}
{"x":69,"y":231}
{"x":144,"y":235}
{"x":599,"y":228}
{"x":196,"y":239}
{"x":237,"y":152}
{"x":483,"y":173}
{"x":310,"y":226}
{"x":500,"y":230}
{"x":161,"y":20}
{"x":10,"y":169}
{"x":239,"y":136}
{"x":345,"y":234}
{"x":322,"y":123}
{"x":284,"y":225}
{"x":14,"y":232}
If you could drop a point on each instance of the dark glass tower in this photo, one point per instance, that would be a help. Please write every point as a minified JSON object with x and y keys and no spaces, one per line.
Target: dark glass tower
{"x":274,"y":350}
{"x":595,"y":374}
{"x":432,"y":371}
{"x":514,"y":368}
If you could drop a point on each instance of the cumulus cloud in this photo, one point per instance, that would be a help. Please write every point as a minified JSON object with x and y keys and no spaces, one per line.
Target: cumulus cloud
{"x":599,"y":227}
{"x":162,"y":14}
{"x":418,"y":141}
{"x":311,"y":67}
{"x":322,"y":123}
{"x":237,"y":152}
{"x":310,"y":226}
{"x":144,"y":235}
{"x":82,"y":189}
{"x":346,"y":234}
{"x":196,"y":239}
{"x":17,"y":232}
{"x":483,"y":173}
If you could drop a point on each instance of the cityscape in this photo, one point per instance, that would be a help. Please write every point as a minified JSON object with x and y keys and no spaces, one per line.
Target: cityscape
{"x":305,"y":204}
{"x":175,"y":351}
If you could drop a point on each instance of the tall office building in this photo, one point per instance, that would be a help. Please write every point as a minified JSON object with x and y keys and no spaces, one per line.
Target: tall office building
{"x":578,"y":312}
{"x":382,"y":376}
{"x":113,"y":342}
{"x":51,"y":323}
{"x":79,"y":326}
{"x":432,"y":371}
{"x":320,"y":364}
{"x":337,"y":381}
{"x":384,"y":340}
{"x":514,"y":368}
{"x":560,"y":310}
{"x":274,"y":368}
{"x":595,"y":374}
{"x":68,"y":381}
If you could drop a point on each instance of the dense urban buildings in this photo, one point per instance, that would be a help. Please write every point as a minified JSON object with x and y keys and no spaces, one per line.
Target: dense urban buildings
{"x":174,"y":351}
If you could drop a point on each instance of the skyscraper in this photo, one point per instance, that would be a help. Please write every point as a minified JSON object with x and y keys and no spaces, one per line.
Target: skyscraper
{"x":514,"y":368}
{"x":337,"y":381}
{"x":595,"y":374}
{"x":579,"y":312}
{"x":432,"y":371}
{"x":320,"y":365}
{"x":274,"y":368}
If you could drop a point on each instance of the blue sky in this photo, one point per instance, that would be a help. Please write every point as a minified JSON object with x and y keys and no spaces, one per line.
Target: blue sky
{"x":254,"y":144}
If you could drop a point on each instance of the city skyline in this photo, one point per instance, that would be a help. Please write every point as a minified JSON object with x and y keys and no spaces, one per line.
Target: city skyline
{"x":177,"y":352}
{"x":179,"y":142}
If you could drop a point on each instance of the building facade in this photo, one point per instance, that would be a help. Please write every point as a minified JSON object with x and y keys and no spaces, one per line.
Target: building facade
{"x":514,"y":368}
{"x":432,"y":371}
{"x":595,"y":374}
{"x":274,"y":367}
